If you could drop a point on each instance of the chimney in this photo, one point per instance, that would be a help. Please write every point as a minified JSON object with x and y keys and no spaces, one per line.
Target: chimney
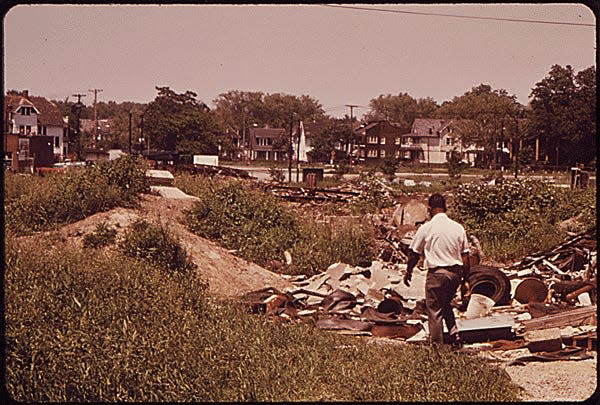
{"x":25,"y":93}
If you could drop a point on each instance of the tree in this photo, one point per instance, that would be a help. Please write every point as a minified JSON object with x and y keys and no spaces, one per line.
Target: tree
{"x":324,"y":143}
{"x":551,"y":116}
{"x":180,"y":122}
{"x":482,"y":117}
{"x":401,"y":109}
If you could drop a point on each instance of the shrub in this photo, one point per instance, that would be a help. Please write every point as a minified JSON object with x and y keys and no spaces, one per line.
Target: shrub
{"x":518,"y":217}
{"x":277,"y":174}
{"x":103,"y":235}
{"x":389,"y":166}
{"x":39,"y":203}
{"x":245,"y":219}
{"x":155,"y":244}
{"x":260,"y":228}
{"x":341,"y":169}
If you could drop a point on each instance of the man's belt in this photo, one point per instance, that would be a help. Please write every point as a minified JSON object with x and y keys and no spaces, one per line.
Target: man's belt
{"x":457,"y":268}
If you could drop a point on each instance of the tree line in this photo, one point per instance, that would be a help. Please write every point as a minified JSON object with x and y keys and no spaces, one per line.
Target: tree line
{"x":561,"y":116}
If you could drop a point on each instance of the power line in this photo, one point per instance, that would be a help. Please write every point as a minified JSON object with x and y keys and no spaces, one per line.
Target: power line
{"x":458,"y":16}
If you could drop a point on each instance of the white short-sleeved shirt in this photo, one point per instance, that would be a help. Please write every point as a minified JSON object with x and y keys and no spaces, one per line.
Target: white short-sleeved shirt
{"x":442,"y":241}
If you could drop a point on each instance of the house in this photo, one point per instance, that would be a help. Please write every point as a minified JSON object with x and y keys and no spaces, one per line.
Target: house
{"x":268,"y":143}
{"x":379,"y":140}
{"x":430,"y":140}
{"x":34,"y":132}
{"x":103,"y":131}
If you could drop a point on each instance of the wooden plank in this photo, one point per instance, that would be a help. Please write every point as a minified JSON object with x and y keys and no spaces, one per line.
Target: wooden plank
{"x":572,"y":317}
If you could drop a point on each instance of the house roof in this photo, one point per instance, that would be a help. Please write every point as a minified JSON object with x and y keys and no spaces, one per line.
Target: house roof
{"x":421,"y":126}
{"x":13,"y":101}
{"x":49,"y":114}
{"x":268,"y":132}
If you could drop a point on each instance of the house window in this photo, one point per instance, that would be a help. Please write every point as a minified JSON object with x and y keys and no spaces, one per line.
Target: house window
{"x":372,"y":139}
{"x":56,"y":141}
{"x":382,"y":154}
{"x":397,"y":154}
{"x":448,"y":156}
{"x":448,"y":141}
{"x":21,"y":129}
{"x":27,"y":129}
{"x":430,"y":131}
{"x":382,"y":141}
{"x":371,"y":153}
{"x":25,"y":111}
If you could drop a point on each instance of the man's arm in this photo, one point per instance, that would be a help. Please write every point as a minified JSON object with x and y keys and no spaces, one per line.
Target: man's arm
{"x":413,"y":259}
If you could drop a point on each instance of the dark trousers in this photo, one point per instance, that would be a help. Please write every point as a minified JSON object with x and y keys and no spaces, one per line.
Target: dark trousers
{"x":440,"y":287}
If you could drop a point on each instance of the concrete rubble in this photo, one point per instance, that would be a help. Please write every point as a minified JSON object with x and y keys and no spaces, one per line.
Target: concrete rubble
{"x":545,"y":302}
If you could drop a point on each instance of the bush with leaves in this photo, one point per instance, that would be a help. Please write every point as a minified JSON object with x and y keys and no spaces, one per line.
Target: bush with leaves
{"x":156,"y":245}
{"x":277,"y":174}
{"x":517,"y":217}
{"x":245,"y":219}
{"x":38,"y":203}
{"x":389,"y":166}
{"x":260,"y":228}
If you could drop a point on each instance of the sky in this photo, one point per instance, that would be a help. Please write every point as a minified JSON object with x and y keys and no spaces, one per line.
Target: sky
{"x":336,"y":55}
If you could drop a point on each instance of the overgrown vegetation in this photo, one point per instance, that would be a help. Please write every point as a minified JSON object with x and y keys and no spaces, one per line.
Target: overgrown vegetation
{"x":260,"y":228}
{"x":515,"y":217}
{"x":156,"y":245}
{"x":34,"y":203}
{"x":98,"y":328}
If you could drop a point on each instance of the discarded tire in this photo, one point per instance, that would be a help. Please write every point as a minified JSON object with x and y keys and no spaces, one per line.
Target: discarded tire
{"x":491,"y":282}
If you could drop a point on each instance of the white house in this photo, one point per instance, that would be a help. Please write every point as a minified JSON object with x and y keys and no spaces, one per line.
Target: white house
{"x":32,"y":115}
{"x":431,"y":140}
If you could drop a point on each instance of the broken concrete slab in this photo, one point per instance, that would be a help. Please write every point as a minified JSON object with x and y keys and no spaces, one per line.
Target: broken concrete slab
{"x":411,"y":213}
{"x":543,"y":340}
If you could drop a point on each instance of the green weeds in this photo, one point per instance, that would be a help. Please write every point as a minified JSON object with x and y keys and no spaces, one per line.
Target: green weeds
{"x":92,"y":327}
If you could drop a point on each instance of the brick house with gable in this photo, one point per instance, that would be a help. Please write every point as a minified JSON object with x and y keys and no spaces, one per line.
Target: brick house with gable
{"x":379,"y":140}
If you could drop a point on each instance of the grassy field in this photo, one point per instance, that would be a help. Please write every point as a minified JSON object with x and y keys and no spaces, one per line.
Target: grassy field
{"x":117,"y":323}
{"x":96,"y":325}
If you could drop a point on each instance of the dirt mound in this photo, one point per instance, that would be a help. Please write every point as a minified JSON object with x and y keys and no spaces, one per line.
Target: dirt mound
{"x":227,"y":275}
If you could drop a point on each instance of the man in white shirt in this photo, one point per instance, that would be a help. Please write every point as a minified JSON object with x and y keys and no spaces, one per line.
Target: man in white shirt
{"x":445,"y":246}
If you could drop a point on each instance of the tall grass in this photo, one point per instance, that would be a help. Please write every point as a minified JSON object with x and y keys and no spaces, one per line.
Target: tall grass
{"x":261,"y":228}
{"x":519,"y":217}
{"x":33,"y":203}
{"x":93,"y":326}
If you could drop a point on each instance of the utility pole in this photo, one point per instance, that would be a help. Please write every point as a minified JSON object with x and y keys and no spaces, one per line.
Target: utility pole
{"x":78,"y":107}
{"x":290,"y":151}
{"x":95,"y":91}
{"x":351,"y":139}
{"x":130,"y":117}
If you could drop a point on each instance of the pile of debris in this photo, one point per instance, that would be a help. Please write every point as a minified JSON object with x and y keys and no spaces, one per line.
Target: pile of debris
{"x":305,"y":194}
{"x":210,"y":171}
{"x":545,"y":302}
